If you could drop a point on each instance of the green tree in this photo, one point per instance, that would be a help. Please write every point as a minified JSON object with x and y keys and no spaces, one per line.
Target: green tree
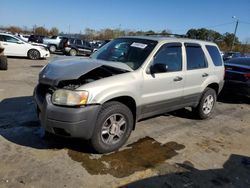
{"x":150,"y":32}
{"x":228,"y":39}
{"x":204,"y":34}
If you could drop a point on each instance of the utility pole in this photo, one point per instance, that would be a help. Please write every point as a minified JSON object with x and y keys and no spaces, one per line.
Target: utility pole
{"x":235,"y":30}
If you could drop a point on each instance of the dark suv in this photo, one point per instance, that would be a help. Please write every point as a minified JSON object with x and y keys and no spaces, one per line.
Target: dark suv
{"x":36,"y":38}
{"x":74,"y":46}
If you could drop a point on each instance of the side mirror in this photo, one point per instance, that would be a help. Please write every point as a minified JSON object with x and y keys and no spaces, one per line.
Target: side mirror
{"x":158,"y":68}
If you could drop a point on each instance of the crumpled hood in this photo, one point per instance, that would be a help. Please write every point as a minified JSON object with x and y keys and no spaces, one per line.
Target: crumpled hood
{"x":68,"y":68}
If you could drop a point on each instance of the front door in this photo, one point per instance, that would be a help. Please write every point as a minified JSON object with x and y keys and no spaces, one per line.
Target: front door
{"x":163,"y":89}
{"x":13,"y":46}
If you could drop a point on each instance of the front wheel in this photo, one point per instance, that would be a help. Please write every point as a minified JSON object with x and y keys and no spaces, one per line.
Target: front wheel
{"x":206,"y":104}
{"x":34,"y":54}
{"x":113,"y":127}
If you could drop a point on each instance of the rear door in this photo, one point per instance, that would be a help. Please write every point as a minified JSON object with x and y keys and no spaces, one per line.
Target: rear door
{"x":197,"y":72}
{"x":86,"y":47}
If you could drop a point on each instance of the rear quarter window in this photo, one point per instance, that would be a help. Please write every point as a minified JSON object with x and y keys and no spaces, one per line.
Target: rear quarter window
{"x":215,"y":55}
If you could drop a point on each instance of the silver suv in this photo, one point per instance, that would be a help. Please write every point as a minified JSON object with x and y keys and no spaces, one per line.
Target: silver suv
{"x":131,"y":78}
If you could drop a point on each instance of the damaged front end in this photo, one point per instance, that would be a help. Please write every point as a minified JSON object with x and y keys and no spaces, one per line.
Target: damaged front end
{"x":69,"y":74}
{"x":61,"y":108}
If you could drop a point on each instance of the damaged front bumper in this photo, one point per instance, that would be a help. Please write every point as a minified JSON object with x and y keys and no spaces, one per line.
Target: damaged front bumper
{"x":78,"y":122}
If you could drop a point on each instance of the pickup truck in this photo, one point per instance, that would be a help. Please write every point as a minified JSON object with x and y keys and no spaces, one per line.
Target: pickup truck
{"x":52,"y":42}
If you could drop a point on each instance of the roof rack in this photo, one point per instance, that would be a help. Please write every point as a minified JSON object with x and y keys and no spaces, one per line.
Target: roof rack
{"x":167,"y":35}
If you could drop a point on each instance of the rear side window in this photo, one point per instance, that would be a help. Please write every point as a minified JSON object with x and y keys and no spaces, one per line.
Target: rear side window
{"x":214,"y":54}
{"x":78,"y":42}
{"x":195,"y":57}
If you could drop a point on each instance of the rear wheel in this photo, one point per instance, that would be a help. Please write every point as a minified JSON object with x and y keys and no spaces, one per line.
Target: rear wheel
{"x":3,"y":63}
{"x":207,"y":103}
{"x":72,"y":52}
{"x":34,"y":54}
{"x":113,"y":127}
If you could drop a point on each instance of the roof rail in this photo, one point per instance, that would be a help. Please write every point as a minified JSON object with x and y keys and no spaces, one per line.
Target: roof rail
{"x":167,"y":35}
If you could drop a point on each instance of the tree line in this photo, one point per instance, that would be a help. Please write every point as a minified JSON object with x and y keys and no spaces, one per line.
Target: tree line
{"x":224,"y":41}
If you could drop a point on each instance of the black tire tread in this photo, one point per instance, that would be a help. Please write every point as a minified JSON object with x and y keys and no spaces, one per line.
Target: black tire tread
{"x":106,"y":109}
{"x":198,"y":110}
{"x":3,"y":63}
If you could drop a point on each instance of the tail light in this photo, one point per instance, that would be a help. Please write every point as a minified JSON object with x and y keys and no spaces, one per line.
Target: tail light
{"x":247,"y":76}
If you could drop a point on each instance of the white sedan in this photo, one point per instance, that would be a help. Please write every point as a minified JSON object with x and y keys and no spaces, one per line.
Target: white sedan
{"x":14,"y":46}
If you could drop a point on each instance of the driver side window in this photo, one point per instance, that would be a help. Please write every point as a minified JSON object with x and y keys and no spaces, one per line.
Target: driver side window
{"x":170,"y":56}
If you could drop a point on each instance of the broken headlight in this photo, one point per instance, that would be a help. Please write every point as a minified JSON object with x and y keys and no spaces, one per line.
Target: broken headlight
{"x":69,"y":97}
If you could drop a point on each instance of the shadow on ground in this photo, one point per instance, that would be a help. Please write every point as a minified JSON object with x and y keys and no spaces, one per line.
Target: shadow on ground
{"x":233,"y":96}
{"x":20,"y":125}
{"x":235,"y":173}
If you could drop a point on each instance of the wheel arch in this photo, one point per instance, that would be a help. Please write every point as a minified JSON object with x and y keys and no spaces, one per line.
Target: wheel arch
{"x":214,"y":86}
{"x":129,"y":102}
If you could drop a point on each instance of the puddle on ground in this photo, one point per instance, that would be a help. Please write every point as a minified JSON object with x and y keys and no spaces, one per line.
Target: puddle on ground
{"x":141,"y":155}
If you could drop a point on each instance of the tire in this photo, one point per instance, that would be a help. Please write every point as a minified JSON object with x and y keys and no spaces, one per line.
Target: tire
{"x":72,"y":52}
{"x":3,"y":63}
{"x":206,"y":105}
{"x":34,"y":54}
{"x":105,"y":137}
{"x":52,"y":48}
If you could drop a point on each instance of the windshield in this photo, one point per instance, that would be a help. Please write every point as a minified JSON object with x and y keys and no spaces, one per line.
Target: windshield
{"x":131,"y":51}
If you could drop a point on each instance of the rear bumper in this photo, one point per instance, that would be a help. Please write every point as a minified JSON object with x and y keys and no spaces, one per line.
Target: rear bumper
{"x":78,"y":122}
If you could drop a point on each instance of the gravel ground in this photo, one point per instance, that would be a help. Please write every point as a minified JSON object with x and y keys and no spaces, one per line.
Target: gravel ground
{"x":172,"y":150}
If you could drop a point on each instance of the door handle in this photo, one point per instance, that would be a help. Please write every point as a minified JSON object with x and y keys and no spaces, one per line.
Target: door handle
{"x":205,"y":75}
{"x":178,"y":78}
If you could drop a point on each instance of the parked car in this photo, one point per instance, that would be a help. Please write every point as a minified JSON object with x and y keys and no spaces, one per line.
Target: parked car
{"x":74,"y":46}
{"x":131,"y":78}
{"x":237,"y":75}
{"x":24,"y":37}
{"x":3,"y":59}
{"x":230,"y":55}
{"x":100,"y":44}
{"x":36,"y":38}
{"x":53,"y":42}
{"x":15,"y":46}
